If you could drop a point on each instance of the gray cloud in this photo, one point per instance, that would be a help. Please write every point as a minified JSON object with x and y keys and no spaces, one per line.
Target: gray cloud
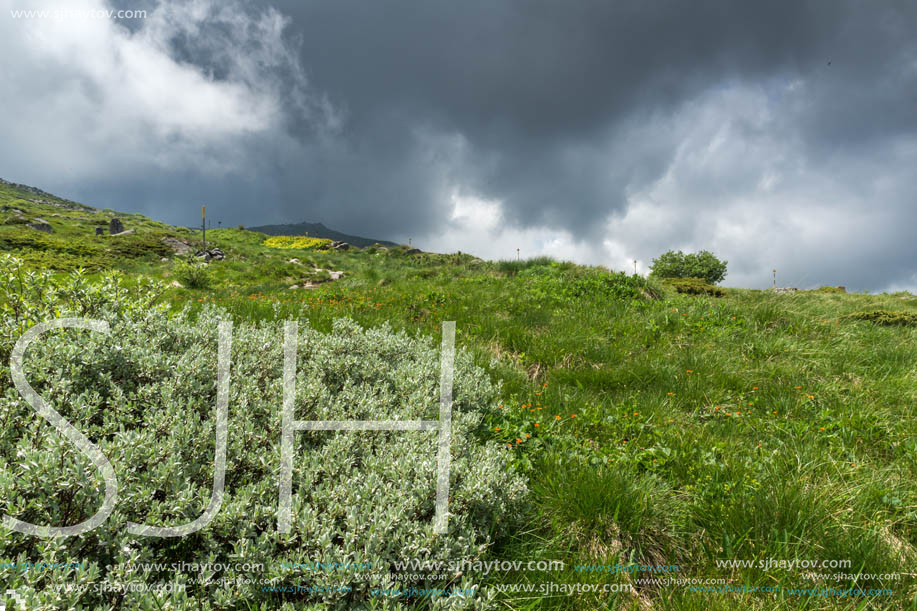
{"x":778,"y":134}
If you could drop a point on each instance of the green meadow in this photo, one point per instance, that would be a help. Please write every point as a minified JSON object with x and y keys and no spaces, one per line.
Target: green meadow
{"x":716,"y":436}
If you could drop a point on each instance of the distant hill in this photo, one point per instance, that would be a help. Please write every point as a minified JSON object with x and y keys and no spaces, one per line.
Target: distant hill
{"x":42,"y":197}
{"x":317,"y":230}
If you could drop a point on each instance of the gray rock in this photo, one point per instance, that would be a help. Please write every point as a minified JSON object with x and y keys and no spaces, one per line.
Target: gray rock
{"x":41,"y":225}
{"x":784,"y":290}
{"x":178,"y":246}
{"x":128,"y":232}
{"x":214,"y":254}
{"x":115,"y":226}
{"x":413,"y":251}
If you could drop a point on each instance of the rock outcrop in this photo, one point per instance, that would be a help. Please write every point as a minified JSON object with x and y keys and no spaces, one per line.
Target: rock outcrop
{"x":212,"y":254}
{"x":179,"y":247}
{"x":41,"y":225}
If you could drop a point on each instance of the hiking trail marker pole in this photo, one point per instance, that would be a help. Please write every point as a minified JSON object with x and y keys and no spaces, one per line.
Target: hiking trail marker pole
{"x":775,"y":278}
{"x":204,"y":225}
{"x":635,"y":267}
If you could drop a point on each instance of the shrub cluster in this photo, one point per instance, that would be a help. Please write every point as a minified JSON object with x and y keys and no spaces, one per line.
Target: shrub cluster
{"x":703,"y":264}
{"x":694,"y":286}
{"x":831,"y":290}
{"x":886,"y":317}
{"x":139,"y":246}
{"x":299,"y":242}
{"x":69,"y":252}
{"x":192,"y":273}
{"x":146,"y":394}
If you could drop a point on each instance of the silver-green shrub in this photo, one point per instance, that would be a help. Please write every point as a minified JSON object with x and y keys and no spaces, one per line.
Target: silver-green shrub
{"x":146,"y":395}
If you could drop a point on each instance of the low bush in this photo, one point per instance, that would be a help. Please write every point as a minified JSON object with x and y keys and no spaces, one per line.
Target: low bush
{"x":16,"y":219}
{"x":192,"y":273}
{"x":694,"y":286}
{"x":63,"y":262}
{"x":139,"y":246}
{"x":30,"y":240}
{"x":831,"y":290}
{"x":885,"y":317}
{"x":146,"y":393}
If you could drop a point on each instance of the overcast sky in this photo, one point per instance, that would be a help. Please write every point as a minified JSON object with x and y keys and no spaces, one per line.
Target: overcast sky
{"x":776,"y":134}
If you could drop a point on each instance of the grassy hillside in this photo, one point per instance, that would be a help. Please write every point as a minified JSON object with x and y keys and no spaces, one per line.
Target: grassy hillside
{"x":654,"y":427}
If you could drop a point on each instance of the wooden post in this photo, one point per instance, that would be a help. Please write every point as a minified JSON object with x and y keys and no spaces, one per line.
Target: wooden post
{"x":204,"y":225}
{"x":635,"y":267}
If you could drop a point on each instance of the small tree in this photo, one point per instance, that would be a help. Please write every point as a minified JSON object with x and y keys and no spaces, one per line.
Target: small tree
{"x":703,"y":264}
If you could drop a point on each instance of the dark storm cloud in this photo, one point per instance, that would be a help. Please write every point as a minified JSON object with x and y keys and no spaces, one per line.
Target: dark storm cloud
{"x":777,"y":133}
{"x":524,"y":82}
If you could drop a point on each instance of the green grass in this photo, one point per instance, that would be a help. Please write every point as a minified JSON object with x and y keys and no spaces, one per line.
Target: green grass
{"x":655,"y":427}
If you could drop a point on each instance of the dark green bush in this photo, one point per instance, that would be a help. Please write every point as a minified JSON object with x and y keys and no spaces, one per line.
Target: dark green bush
{"x":703,"y":264}
{"x":16,"y":220}
{"x":694,"y":286}
{"x":831,"y":290}
{"x":886,"y":317}
{"x":138,"y":246}
{"x":16,"y":239}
